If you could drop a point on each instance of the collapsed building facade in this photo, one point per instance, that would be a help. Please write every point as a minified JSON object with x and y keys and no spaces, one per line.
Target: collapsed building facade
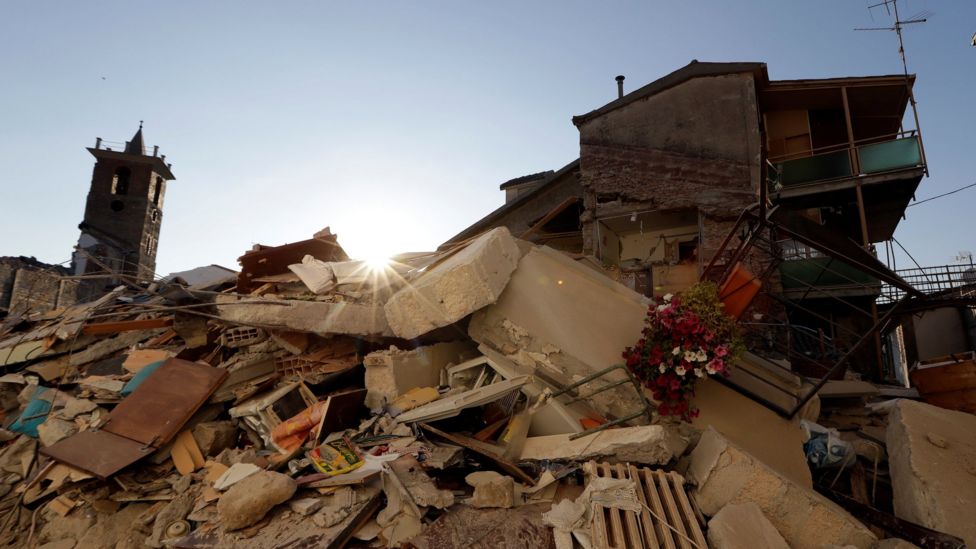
{"x":475,"y":396}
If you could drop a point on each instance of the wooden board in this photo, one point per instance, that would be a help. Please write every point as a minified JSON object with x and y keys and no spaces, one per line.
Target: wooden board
{"x":156,"y":411}
{"x":666,"y":521}
{"x":186,"y":454}
{"x":148,"y":418}
{"x":98,"y":452}
{"x":479,"y":448}
{"x":126,"y":326}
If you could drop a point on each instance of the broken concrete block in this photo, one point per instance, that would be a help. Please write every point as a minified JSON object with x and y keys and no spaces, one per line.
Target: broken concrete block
{"x":491,"y":489}
{"x":421,"y":487}
{"x":725,"y":474}
{"x":393,"y":372}
{"x":567,"y":321}
{"x":647,"y":444}
{"x":317,"y":317}
{"x":743,"y":526}
{"x":214,"y":436}
{"x":932,"y":458}
{"x":305,"y":506}
{"x":464,"y":282}
{"x":250,"y":499}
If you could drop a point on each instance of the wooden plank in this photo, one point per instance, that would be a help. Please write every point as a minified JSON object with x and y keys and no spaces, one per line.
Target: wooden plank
{"x":598,"y":527}
{"x":186,"y":454}
{"x":617,"y":538}
{"x":157,"y":410}
{"x":690,"y":519}
{"x":664,"y":533}
{"x":647,"y":522}
{"x":633,"y":526}
{"x":97,"y":452}
{"x":480,"y":449}
{"x":671,"y":507}
{"x":126,"y":326}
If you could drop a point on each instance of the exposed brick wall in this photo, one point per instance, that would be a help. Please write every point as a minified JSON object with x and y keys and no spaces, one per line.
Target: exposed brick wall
{"x":663,"y":180}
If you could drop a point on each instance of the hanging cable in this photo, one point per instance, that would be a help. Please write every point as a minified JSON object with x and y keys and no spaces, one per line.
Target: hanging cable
{"x":941,"y":195}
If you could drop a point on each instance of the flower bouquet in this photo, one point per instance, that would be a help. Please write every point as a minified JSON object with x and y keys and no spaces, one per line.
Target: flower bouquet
{"x":685,"y":338}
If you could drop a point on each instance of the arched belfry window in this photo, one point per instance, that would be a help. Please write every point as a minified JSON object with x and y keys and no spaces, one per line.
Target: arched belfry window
{"x":120,"y":181}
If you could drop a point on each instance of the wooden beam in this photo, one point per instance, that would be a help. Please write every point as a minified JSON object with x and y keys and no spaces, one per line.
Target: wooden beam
{"x":127,"y":326}
{"x":549,"y":216}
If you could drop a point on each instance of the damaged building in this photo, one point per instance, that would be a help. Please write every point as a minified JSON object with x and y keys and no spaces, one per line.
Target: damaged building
{"x":479,"y":396}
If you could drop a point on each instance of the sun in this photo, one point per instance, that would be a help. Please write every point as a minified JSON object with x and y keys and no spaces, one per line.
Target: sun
{"x":377,"y":261}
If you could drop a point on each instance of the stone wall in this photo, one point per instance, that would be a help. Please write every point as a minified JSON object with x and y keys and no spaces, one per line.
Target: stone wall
{"x":695,"y":145}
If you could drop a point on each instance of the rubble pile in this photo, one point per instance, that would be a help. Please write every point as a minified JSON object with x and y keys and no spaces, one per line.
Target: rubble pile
{"x":467,"y":398}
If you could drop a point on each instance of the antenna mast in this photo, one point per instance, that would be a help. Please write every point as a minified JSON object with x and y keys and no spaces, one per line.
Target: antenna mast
{"x":922,"y":17}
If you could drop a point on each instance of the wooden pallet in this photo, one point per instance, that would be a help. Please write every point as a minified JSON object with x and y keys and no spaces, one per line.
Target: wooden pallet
{"x":661,"y":492}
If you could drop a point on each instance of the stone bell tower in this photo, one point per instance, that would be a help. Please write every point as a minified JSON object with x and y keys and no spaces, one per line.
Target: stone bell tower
{"x":124,"y":211}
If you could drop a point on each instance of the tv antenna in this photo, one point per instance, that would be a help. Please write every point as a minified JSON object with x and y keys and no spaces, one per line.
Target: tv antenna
{"x":891,"y":7}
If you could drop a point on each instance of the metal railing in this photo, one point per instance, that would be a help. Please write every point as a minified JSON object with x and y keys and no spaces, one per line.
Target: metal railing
{"x":932,"y":280}
{"x":120,"y":146}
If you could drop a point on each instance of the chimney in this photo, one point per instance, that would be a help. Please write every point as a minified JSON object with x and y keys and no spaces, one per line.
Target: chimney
{"x":620,"y":86}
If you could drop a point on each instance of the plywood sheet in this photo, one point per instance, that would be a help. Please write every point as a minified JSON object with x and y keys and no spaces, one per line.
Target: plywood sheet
{"x":156,"y":411}
{"x":98,"y":452}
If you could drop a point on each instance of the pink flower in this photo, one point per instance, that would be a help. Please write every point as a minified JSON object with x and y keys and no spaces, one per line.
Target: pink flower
{"x":721,"y":351}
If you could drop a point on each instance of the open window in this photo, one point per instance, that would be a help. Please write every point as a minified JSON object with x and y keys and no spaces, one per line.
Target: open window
{"x":120,"y":181}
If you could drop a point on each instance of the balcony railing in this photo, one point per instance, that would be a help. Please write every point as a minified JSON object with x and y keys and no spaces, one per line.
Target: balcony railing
{"x":932,"y":280}
{"x":867,"y":159}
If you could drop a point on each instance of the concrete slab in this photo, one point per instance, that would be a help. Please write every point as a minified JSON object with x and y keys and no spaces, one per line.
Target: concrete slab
{"x":743,"y":526}
{"x":646,"y":444}
{"x":317,"y":317}
{"x":725,"y":474}
{"x":565,"y":320}
{"x":932,"y":458}
{"x":464,"y":282}
{"x":774,"y":440}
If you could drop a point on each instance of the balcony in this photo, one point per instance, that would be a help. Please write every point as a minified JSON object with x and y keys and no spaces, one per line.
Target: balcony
{"x":870,"y":159}
{"x":805,"y":273}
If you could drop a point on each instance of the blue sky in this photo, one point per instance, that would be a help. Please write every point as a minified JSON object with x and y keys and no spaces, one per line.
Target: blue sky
{"x":395,"y":122}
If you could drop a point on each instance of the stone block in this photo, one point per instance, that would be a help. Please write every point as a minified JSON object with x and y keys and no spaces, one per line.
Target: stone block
{"x":250,"y":499}
{"x":317,"y":317}
{"x":214,"y":436}
{"x":725,"y":474}
{"x":743,"y":526}
{"x":305,"y":506}
{"x":932,"y":458}
{"x":491,"y":489}
{"x":393,"y":372}
{"x":463,"y":283}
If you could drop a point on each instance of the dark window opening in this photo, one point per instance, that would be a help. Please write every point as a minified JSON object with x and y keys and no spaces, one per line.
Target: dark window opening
{"x":156,"y":190}
{"x":688,"y":251}
{"x":120,"y":181}
{"x":117,"y":205}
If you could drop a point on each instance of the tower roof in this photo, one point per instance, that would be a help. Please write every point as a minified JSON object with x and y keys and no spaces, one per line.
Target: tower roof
{"x":136,"y":145}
